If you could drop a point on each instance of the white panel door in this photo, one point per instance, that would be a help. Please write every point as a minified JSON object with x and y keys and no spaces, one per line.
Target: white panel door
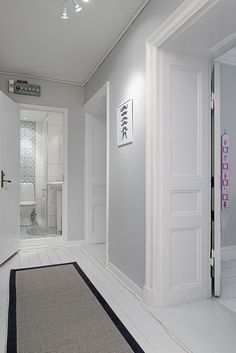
{"x":185,"y":180}
{"x":95,"y":179}
{"x":216,"y":156}
{"x":9,"y":165}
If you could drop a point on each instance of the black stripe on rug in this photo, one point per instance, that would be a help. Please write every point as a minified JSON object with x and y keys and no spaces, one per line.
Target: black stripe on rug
{"x":12,"y":329}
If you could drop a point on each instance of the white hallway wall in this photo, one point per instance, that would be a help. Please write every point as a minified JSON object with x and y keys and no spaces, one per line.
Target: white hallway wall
{"x":125,"y":69}
{"x":69,"y":96}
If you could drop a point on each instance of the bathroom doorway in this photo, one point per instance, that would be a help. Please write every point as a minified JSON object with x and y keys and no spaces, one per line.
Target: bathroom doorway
{"x":43,"y":175}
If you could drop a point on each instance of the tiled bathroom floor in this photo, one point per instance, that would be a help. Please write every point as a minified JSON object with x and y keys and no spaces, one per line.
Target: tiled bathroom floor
{"x":35,"y":231}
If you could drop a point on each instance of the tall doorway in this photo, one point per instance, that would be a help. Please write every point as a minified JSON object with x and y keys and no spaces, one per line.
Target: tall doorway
{"x":97,"y":171}
{"x":43,"y":176}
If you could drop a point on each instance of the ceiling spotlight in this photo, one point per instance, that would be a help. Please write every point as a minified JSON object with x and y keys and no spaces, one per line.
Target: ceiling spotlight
{"x":77,"y":6}
{"x":64,"y":15}
{"x":67,"y":3}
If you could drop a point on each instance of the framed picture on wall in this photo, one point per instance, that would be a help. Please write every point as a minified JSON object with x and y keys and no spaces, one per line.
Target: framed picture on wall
{"x":125,"y":123}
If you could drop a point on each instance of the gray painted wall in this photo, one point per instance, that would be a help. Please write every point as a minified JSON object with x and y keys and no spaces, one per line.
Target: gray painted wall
{"x":125,"y":69}
{"x":228,"y":121}
{"x":72,"y":97}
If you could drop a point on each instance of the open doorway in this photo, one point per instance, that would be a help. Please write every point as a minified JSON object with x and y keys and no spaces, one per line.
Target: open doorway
{"x":97,"y":173}
{"x":224,"y":125}
{"x":43,"y":176}
{"x":179,"y":255}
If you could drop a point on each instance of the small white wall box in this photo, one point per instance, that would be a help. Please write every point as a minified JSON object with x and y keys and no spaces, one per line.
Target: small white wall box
{"x":24,"y":88}
{"x":125,"y":123}
{"x":11,"y":86}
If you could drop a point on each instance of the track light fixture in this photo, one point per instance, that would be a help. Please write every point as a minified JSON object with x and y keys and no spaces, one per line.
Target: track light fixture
{"x":64,"y":15}
{"x":76,"y":4}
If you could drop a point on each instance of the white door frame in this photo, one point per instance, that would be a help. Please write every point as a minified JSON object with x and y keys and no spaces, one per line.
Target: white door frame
{"x":186,"y":14}
{"x":26,"y":243}
{"x":100,"y":94}
{"x":216,"y":174}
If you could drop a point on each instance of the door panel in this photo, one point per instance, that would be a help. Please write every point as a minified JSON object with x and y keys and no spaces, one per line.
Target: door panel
{"x":95,"y":179}
{"x":185,"y":180}
{"x":9,"y":163}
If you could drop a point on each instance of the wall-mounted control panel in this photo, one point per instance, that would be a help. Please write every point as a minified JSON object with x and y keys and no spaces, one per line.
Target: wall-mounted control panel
{"x":24,"y":88}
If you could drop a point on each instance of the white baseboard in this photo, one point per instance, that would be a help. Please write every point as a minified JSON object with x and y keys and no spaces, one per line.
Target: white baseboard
{"x":127,"y":282}
{"x":228,"y":253}
{"x":41,"y":242}
{"x":49,"y":242}
{"x":148,"y":296}
{"x":52,"y":242}
{"x":71,"y":243}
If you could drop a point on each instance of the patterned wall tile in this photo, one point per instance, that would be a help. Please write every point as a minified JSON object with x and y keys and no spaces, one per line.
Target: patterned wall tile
{"x":27,"y":151}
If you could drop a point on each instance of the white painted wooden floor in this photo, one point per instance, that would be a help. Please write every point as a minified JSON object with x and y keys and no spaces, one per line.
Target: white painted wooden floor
{"x":199,"y":327}
{"x":147,"y":331}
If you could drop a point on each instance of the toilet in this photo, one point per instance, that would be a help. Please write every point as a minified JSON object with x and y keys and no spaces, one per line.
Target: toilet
{"x":27,"y":203}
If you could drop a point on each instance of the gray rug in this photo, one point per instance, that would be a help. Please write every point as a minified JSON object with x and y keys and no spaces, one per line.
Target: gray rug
{"x":56,"y":309}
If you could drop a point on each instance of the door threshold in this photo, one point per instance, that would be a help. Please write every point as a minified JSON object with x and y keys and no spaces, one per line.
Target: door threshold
{"x":41,"y":242}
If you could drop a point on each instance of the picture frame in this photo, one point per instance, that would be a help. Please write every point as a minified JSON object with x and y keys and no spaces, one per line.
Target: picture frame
{"x":125,"y":123}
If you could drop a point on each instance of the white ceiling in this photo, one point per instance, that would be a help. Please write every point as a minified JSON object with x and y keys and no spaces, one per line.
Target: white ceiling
{"x":35,"y":41}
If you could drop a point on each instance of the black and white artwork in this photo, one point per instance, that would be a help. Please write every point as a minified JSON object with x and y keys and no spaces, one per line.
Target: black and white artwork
{"x":125,"y":123}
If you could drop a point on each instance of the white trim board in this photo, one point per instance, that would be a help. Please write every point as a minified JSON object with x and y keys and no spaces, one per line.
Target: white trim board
{"x":47,"y":109}
{"x":127,"y":282}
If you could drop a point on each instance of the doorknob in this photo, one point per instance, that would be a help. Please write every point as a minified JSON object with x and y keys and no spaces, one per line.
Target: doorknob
{"x":3,"y":180}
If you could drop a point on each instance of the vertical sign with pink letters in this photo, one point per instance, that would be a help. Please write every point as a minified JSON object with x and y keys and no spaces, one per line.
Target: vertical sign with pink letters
{"x":225,"y":172}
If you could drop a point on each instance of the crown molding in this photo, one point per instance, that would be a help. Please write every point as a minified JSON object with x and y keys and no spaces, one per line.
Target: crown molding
{"x":223,"y":47}
{"x":40,"y":78}
{"x":131,"y":21}
{"x":187,"y":13}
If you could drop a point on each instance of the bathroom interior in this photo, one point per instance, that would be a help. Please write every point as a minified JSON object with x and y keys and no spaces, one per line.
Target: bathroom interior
{"x":41,"y":174}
